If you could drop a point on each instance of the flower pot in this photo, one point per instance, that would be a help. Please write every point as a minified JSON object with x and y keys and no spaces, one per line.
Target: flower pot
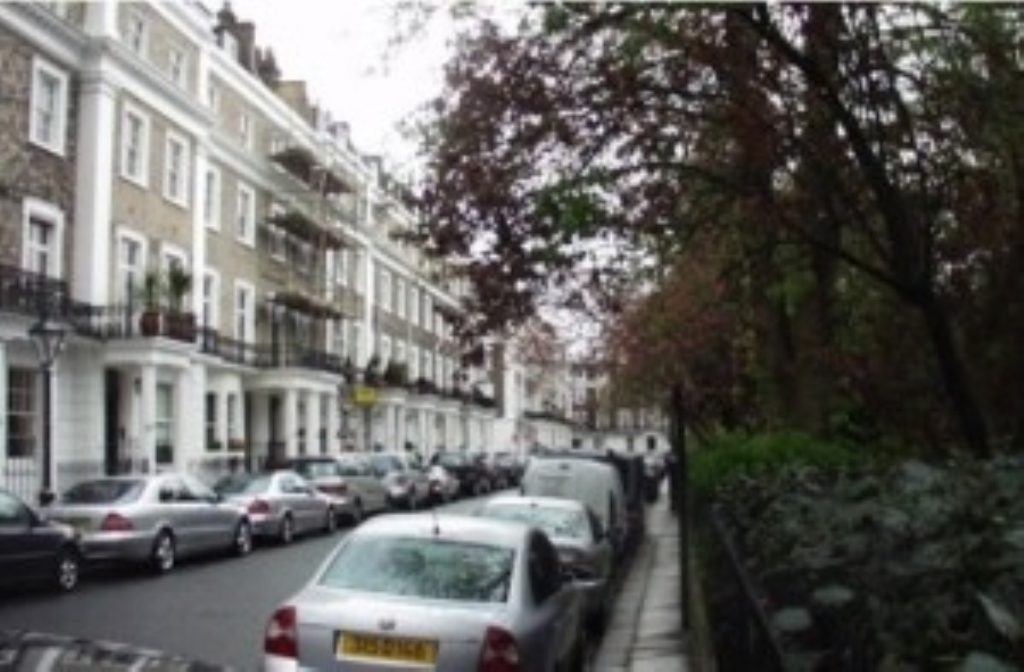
{"x":149,"y":323}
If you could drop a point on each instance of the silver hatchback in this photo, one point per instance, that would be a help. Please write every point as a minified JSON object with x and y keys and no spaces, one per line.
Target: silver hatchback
{"x":429,"y":591}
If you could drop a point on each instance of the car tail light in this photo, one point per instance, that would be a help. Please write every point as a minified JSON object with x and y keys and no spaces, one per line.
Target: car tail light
{"x":337,"y":490}
{"x":282,"y":636}
{"x":500,"y":652}
{"x":259,"y":507}
{"x":115,"y":522}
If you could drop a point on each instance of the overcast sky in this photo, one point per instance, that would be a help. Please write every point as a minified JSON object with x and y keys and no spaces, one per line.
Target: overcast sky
{"x":341,"y":48}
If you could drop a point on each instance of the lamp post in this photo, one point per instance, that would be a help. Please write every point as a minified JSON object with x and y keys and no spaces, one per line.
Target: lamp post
{"x":48,"y":337}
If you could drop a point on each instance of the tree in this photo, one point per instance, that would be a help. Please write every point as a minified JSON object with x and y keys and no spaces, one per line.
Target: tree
{"x":819,"y":137}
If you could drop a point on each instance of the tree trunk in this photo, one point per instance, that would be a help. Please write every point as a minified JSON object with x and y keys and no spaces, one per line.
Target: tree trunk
{"x":954,"y":376}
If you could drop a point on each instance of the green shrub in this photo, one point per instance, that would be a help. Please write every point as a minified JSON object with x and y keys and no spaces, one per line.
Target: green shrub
{"x":728,"y":457}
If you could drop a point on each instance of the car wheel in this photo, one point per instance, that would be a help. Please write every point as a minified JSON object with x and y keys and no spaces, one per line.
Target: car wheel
{"x":242,"y":545}
{"x":162,"y":556}
{"x":68,"y":570}
{"x":357,"y":513}
{"x":286,"y":534}
{"x":331,"y":521}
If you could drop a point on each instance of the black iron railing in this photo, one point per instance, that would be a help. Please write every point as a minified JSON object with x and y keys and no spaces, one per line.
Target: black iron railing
{"x":744,"y":640}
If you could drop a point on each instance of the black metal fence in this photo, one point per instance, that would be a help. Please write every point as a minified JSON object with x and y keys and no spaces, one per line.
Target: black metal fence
{"x":743,"y":638}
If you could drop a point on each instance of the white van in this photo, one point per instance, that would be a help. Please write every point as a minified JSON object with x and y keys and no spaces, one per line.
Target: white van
{"x":595,"y":484}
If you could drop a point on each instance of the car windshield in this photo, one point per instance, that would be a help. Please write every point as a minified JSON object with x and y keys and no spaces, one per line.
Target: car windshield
{"x":387,"y":463}
{"x":317,"y":469}
{"x":104,"y":492}
{"x":452,"y":459}
{"x":556,"y":522}
{"x":425,"y":568}
{"x":242,"y":485}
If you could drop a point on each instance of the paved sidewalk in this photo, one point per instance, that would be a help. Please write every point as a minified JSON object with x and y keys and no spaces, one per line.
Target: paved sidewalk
{"x":645,"y":631}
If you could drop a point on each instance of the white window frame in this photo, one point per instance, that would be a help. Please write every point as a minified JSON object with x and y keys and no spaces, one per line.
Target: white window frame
{"x":400,"y":351}
{"x":249,"y":312}
{"x":384,"y":291}
{"x":212,"y":198}
{"x":413,"y":308}
{"x":248,"y":235}
{"x":58,"y":142}
{"x":180,"y":198}
{"x":211,"y":302}
{"x":428,"y":364}
{"x":140,"y":240}
{"x":213,"y":96}
{"x":177,"y":71}
{"x":33,"y":208}
{"x":359,"y":261}
{"x":385,"y":349}
{"x":400,"y":296}
{"x":428,"y":312}
{"x":142,"y":178}
{"x":355,"y":343}
{"x":341,"y":267}
{"x":137,"y":41}
{"x":414,"y":362}
{"x":245,"y":127}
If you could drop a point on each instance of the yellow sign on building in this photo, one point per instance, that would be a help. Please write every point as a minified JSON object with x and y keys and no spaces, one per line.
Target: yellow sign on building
{"x":364,"y":396}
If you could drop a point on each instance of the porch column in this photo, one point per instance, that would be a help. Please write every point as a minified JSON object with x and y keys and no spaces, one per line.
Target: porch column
{"x":333,"y":409}
{"x":260,"y":426}
{"x":147,"y":417}
{"x":182,"y":419}
{"x":312,"y":423}
{"x":291,"y":423}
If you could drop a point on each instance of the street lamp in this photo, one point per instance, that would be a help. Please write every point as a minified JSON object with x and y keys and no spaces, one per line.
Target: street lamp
{"x":48,"y":337}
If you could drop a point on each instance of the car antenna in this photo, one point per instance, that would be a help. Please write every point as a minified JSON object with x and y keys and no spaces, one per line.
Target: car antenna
{"x":437,"y":523}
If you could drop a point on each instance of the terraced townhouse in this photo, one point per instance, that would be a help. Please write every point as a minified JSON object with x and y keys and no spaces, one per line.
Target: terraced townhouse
{"x":215,"y":259}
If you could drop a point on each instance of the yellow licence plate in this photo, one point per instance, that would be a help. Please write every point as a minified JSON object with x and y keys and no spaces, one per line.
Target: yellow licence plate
{"x":421,"y":651}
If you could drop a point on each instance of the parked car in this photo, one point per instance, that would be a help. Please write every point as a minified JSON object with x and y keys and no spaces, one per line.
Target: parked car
{"x":152,"y":519}
{"x":35,"y":549}
{"x":444,"y":487}
{"x":407,"y":485}
{"x":433,"y":591}
{"x":508,"y":468}
{"x":577,"y":535}
{"x":472,"y":477}
{"x":282,"y":504}
{"x":26,"y":651}
{"x":489,"y":478}
{"x":596,"y":484}
{"x":348,"y":476}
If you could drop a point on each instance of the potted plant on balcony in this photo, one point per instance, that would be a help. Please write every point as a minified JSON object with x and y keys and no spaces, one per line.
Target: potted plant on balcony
{"x":371,"y":376}
{"x":152,"y":288}
{"x":182,"y":323}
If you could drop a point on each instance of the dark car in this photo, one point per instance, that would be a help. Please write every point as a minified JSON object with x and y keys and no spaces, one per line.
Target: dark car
{"x":509,"y":469}
{"x":36,"y":651}
{"x":473,"y":477}
{"x":34,"y":549}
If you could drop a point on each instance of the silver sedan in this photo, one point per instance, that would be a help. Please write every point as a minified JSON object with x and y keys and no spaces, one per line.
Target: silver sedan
{"x":576,"y":533}
{"x":281,"y":504}
{"x":154,"y":519}
{"x":428,"y":591}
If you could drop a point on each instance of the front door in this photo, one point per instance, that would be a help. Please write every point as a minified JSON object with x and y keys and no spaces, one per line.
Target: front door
{"x":111,"y":416}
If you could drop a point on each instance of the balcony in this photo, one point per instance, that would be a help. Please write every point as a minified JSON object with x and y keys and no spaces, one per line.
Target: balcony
{"x":32,"y":294}
{"x":267,"y":356}
{"x":302,"y":163}
{"x":306,"y":218}
{"x":116,"y":322}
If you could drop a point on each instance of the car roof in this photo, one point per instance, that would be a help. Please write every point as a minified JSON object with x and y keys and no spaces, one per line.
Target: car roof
{"x":541,"y":502}
{"x":571,"y":464}
{"x":455,"y":527}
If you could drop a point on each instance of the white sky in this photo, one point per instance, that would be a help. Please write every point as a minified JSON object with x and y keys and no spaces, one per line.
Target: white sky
{"x":341,"y":49}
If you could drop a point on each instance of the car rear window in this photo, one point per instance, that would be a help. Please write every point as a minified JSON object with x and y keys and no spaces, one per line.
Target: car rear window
{"x":556,"y":522}
{"x":424,"y":568}
{"x":316,"y":469}
{"x":452,"y":460}
{"x":104,"y":492}
{"x":243,"y":484}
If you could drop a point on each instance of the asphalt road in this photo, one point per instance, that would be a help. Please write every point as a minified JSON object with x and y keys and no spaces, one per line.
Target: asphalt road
{"x":212,"y":610}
